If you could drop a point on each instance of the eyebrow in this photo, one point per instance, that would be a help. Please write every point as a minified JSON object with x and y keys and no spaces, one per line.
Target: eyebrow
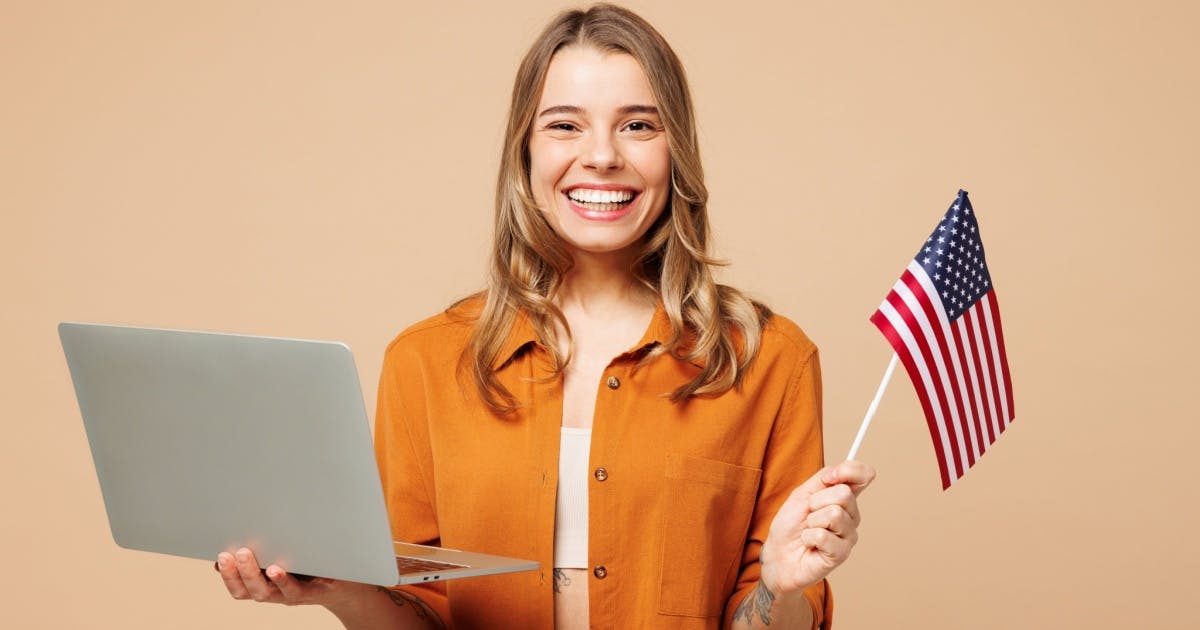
{"x":575,"y":109}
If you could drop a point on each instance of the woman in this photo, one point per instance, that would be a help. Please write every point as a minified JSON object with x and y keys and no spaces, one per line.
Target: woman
{"x":651,"y":437}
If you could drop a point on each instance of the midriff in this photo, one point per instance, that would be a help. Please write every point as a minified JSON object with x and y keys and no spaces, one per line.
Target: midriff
{"x":571,"y":599}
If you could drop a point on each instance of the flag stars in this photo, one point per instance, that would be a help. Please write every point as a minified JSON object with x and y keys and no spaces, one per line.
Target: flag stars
{"x":953,"y":259}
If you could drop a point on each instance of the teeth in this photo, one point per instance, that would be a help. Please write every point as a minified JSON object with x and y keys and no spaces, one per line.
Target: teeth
{"x":588,"y":195}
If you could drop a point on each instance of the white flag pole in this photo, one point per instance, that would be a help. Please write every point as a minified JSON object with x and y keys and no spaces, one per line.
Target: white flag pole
{"x":862,"y":430}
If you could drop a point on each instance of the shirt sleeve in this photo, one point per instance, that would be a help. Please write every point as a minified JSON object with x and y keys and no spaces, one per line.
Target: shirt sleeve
{"x":402,"y":450}
{"x":794,"y":453}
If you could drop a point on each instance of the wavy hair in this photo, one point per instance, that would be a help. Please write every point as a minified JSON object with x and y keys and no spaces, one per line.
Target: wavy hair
{"x":712,"y":324}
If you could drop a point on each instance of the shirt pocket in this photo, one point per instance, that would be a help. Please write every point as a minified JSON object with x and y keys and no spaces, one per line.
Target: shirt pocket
{"x":704,"y":532}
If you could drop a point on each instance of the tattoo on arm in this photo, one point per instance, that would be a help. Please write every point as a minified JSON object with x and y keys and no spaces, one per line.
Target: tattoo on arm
{"x":757,"y":601}
{"x":422,"y":609}
{"x":560,"y":580}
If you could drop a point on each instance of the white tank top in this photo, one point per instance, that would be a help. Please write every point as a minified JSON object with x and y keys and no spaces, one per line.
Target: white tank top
{"x":571,"y":508}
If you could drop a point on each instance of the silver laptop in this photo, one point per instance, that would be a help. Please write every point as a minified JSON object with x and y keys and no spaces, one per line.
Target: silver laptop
{"x":206,"y":442}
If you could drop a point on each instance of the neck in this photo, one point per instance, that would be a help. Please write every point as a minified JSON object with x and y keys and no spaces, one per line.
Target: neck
{"x":599,"y":283}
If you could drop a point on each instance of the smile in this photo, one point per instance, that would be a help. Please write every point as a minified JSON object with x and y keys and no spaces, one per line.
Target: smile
{"x":596,"y":203}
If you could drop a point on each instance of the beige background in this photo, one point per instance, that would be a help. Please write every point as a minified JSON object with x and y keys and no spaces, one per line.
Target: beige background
{"x":325,"y":170}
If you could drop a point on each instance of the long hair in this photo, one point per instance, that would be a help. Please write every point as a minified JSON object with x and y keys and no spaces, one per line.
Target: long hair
{"x":713,"y":325}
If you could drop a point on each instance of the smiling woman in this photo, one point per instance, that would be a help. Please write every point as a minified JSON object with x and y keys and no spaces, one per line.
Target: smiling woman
{"x":600,"y":167}
{"x":652,"y":438}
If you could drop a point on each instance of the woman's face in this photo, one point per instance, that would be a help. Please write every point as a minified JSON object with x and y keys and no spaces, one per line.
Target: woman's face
{"x":600,"y":168}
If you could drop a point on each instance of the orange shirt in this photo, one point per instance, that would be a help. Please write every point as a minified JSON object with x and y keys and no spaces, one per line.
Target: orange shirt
{"x":678,"y":507}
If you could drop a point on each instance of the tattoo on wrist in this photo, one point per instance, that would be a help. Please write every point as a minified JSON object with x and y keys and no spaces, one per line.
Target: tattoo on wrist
{"x":560,"y":580}
{"x":422,"y":609}
{"x":758,"y":602}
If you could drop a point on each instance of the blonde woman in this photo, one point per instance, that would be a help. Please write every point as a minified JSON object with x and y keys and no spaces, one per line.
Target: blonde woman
{"x":652,"y":438}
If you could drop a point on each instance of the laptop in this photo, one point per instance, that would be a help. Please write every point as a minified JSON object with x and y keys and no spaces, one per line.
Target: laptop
{"x":206,"y":442}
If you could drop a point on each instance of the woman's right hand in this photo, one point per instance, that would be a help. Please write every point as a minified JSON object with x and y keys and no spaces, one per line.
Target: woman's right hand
{"x":358,"y":606}
{"x":244,"y":580}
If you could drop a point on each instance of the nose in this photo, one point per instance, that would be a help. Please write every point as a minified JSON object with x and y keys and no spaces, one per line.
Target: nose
{"x":600,"y":153}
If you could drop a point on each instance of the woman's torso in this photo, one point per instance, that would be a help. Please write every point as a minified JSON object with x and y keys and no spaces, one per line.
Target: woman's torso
{"x":595,"y":345}
{"x":668,"y":516}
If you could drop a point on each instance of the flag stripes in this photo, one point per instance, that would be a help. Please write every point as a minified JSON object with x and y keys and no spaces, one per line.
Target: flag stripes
{"x":959,"y":367}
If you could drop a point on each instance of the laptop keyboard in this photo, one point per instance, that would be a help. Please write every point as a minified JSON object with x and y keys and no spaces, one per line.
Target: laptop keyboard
{"x":419,"y":565}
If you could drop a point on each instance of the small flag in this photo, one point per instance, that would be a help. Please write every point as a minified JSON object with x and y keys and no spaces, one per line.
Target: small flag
{"x":942,"y":319}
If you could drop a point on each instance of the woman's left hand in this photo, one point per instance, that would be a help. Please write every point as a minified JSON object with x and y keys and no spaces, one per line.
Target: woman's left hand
{"x":815,"y":529}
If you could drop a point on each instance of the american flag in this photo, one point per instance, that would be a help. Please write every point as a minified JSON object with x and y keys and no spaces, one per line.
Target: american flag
{"x":942,"y":319}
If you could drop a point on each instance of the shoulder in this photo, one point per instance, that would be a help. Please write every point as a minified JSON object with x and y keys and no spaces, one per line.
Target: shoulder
{"x":444,"y":334}
{"x":783,"y":339}
{"x":755,"y":327}
{"x":790,"y":363}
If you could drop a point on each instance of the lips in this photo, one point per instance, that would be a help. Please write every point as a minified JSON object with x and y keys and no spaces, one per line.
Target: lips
{"x":601,"y":202}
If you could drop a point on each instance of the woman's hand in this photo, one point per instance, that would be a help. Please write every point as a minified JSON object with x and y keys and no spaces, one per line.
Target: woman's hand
{"x":244,"y":580}
{"x":815,"y":529}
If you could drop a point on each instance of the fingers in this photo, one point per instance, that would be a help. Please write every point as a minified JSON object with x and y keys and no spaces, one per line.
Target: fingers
{"x":245,"y":580}
{"x":227,"y":567}
{"x":291,"y":588}
{"x":257,"y":586}
{"x":843,"y":483}
{"x":853,"y":473}
{"x":821,"y":515}
{"x":840,"y":495}
{"x":835,"y":519}
{"x":833,"y":547}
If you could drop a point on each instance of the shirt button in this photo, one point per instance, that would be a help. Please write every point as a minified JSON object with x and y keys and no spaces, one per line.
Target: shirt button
{"x":613,"y":382}
{"x":600,"y":572}
{"x":601,"y":473}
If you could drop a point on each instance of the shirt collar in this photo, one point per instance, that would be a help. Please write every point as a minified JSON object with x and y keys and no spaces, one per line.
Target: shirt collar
{"x":522,"y":335}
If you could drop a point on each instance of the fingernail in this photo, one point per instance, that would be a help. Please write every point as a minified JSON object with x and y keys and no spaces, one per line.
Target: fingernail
{"x":243,"y":554}
{"x":830,"y":475}
{"x":222,"y":561}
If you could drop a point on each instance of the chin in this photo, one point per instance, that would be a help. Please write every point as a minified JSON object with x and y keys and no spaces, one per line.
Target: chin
{"x":597,"y":240}
{"x":599,"y":247}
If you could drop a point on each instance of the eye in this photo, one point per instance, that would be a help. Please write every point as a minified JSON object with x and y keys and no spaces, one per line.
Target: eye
{"x":562,"y":126}
{"x":641,"y":126}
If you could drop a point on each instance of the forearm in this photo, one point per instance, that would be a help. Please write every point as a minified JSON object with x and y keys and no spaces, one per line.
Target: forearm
{"x":763,"y":608}
{"x":379,"y":607}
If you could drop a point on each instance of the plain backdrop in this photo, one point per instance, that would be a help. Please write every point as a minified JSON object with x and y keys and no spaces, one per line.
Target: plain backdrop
{"x":325,"y":170}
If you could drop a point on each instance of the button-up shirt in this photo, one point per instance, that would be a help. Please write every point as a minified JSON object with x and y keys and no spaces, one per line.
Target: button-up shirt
{"x":681,"y":495}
